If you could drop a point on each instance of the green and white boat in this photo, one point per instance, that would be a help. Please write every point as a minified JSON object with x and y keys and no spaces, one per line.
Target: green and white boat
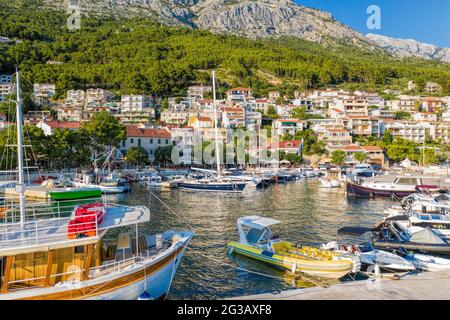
{"x":74,"y":193}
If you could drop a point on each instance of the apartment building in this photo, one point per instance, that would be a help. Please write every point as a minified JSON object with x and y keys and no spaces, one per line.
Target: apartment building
{"x":233,"y":117}
{"x":75,"y":98}
{"x":288,"y":126}
{"x":239,"y":95}
{"x":43,"y":92}
{"x":196,"y":93}
{"x":335,"y":137}
{"x":95,"y":96}
{"x":6,"y":90}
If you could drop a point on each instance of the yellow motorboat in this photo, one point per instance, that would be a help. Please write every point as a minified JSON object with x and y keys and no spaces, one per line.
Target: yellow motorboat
{"x":258,"y":242}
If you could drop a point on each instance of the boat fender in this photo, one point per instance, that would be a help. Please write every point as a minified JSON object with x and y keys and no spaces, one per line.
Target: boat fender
{"x":294,"y":267}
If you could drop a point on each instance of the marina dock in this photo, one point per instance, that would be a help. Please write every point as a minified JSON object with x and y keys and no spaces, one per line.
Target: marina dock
{"x":424,"y":286}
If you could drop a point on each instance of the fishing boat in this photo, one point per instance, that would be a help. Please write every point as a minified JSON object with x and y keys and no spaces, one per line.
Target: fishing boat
{"x":47,"y":254}
{"x":370,"y":256}
{"x":257,"y":241}
{"x":399,"y":187}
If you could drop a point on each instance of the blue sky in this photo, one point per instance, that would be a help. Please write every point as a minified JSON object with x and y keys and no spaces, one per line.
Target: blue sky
{"x":424,"y":20}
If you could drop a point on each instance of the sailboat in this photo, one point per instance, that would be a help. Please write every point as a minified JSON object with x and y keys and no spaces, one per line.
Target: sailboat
{"x":213,"y":183}
{"x":46,"y":254}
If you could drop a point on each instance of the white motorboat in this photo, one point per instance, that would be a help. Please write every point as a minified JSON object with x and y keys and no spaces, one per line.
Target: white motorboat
{"x":370,"y":256}
{"x":329,"y":184}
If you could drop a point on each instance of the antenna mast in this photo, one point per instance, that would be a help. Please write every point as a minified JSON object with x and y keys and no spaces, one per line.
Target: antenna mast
{"x":215,"y":123}
{"x":20,"y":186}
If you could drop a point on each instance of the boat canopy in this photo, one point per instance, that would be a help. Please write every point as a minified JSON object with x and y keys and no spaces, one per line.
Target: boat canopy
{"x":254,"y":230}
{"x":257,"y":222}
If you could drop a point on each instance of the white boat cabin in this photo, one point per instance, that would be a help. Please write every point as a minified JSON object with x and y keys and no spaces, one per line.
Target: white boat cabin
{"x":254,"y":231}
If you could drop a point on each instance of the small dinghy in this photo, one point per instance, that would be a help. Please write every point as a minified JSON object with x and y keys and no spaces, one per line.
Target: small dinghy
{"x":370,"y":256}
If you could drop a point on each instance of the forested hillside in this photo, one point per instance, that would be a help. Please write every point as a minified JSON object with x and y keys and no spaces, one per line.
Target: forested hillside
{"x":137,"y":55}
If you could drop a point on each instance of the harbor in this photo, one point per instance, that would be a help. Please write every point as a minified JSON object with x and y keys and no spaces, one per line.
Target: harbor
{"x":209,"y":272}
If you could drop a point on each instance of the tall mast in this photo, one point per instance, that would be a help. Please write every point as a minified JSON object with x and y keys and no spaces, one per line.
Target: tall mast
{"x":20,"y":186}
{"x":216,"y":133}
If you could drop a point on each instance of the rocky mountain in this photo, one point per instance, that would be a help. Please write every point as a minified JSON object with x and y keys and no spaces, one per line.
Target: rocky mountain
{"x":410,"y":48}
{"x":256,"y":19}
{"x":250,"y":18}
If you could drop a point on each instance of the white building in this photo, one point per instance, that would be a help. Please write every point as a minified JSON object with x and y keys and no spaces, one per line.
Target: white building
{"x":95,"y":96}
{"x":43,"y":92}
{"x":6,"y":89}
{"x":196,"y":93}
{"x":253,"y":120}
{"x":288,"y":126}
{"x":148,"y":138}
{"x":49,"y":126}
{"x":75,"y":98}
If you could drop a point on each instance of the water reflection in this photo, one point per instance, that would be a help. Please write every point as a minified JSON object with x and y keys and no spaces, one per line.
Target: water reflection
{"x":308,"y":214}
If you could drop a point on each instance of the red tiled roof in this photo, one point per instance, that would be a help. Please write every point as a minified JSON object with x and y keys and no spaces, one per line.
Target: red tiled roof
{"x":359,"y":117}
{"x":372,"y":148}
{"x":134,"y":131}
{"x":289,"y":144}
{"x":232,"y":109}
{"x":203,"y":119}
{"x":63,"y":124}
{"x":352,"y":147}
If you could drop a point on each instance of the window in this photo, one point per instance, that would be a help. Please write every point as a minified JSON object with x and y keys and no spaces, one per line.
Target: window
{"x":151,"y":151}
{"x":151,"y":141}
{"x":139,"y":142}
{"x":131,"y":140}
{"x":167,"y":141}
{"x":159,"y":141}
{"x":78,"y":249}
{"x":123,"y":143}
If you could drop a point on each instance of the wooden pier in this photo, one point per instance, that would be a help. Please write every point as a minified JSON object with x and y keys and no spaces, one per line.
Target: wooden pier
{"x":424,"y":286}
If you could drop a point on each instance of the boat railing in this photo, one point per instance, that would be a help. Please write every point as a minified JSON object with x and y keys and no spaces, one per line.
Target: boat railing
{"x":56,"y":229}
{"x":47,"y":231}
{"x":78,"y":273}
{"x":10,"y":211}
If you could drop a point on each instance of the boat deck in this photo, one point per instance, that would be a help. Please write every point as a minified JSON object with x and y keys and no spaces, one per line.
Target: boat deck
{"x":47,"y":234}
{"x":425,"y":286}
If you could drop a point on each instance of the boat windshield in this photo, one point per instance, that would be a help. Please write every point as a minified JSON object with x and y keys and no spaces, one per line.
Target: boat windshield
{"x":408,"y":181}
{"x":257,"y":236}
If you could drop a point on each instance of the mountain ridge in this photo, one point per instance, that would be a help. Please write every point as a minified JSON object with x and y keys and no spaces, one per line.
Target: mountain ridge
{"x":258,"y":19}
{"x":410,"y":48}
